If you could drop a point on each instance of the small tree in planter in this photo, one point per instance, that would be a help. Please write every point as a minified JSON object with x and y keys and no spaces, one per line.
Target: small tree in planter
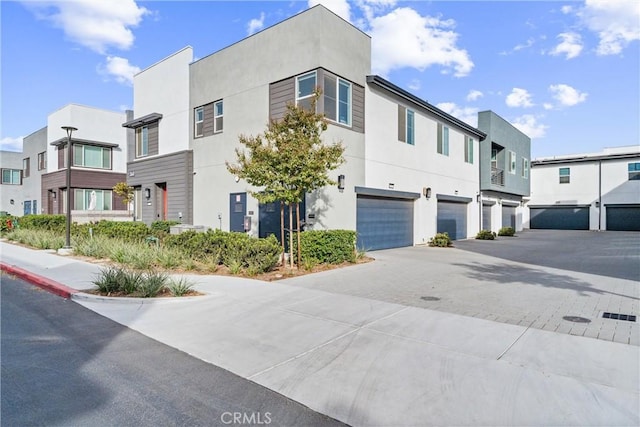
{"x":126,"y":192}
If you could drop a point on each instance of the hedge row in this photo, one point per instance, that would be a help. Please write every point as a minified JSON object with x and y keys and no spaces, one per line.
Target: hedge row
{"x":327,"y":246}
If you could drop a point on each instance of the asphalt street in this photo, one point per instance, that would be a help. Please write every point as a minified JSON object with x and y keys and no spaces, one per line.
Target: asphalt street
{"x":65,"y":365}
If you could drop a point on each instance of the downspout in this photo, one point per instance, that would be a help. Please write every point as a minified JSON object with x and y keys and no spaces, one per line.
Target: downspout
{"x":600,"y":195}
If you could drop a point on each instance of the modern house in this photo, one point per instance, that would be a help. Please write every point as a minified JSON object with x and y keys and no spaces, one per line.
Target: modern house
{"x":11,"y":191}
{"x":505,"y":180}
{"x":98,"y":162}
{"x":598,"y":191}
{"x":34,"y":165}
{"x":411,"y":169}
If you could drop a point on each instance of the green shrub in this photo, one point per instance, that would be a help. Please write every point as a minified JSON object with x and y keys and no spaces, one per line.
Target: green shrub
{"x":161,"y":229}
{"x":441,"y":240}
{"x":152,"y":283}
{"x":327,"y":246}
{"x":180,"y":287}
{"x":485,"y":235}
{"x":506,"y":231}
{"x":55,"y":223}
{"x":118,"y":279}
{"x":127,"y":231}
{"x":41,"y":239}
{"x":261,"y":255}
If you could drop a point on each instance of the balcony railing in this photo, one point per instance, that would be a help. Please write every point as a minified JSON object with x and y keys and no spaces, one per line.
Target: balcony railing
{"x":497,"y":176}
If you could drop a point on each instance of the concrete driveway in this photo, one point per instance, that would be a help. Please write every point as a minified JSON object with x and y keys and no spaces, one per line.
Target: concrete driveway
{"x":536,"y":280}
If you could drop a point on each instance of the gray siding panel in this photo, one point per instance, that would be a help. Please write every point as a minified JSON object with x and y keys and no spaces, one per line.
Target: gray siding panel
{"x":207,"y":125}
{"x":358,"y":108}
{"x":402,"y":123}
{"x":281,"y":93}
{"x":176,"y":170}
{"x":153,"y":138}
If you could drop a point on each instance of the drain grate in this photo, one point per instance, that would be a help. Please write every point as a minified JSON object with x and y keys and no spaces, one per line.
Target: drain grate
{"x":430,"y":298}
{"x":618,"y":316}
{"x":576,"y":319}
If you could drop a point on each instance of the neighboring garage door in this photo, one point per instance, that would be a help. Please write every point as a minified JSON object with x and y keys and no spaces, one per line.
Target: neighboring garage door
{"x":452,"y":219}
{"x":623,"y":218}
{"x":509,"y":216}
{"x":559,"y":218}
{"x":486,"y":217}
{"x":383,"y":222}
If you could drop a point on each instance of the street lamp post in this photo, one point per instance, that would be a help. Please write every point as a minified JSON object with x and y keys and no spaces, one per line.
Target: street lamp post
{"x":69,"y":130}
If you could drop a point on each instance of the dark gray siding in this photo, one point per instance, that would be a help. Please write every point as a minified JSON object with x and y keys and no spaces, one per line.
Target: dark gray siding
{"x":176,"y":170}
{"x":358,"y":108}
{"x":280,"y":93}
{"x":208,"y":123}
{"x":402,"y":123}
{"x":153,"y":138}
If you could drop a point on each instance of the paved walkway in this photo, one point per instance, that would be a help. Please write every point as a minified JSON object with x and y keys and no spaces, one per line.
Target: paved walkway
{"x":371,"y":362}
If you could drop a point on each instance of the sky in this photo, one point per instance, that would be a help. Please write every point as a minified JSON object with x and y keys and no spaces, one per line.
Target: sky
{"x":565,"y":73}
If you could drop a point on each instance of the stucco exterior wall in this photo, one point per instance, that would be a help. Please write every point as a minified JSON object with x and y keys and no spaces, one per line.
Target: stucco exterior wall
{"x":32,"y":145}
{"x":8,"y":192}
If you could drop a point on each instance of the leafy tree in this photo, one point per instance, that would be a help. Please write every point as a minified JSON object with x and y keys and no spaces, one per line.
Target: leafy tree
{"x":288,"y":160}
{"x":126,"y":192}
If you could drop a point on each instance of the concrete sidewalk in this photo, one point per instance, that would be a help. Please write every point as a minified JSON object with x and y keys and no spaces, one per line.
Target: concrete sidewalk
{"x":369,"y":362}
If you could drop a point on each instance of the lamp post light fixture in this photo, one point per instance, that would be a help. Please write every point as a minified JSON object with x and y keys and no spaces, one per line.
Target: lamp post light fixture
{"x":69,"y":130}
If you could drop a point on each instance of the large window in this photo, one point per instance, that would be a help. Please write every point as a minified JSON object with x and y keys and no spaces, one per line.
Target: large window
{"x":443,"y":140}
{"x":525,"y":168}
{"x":91,"y":156}
{"x":411,"y":128}
{"x":512,"y":162}
{"x":42,"y":160}
{"x":634,"y":171}
{"x":565,"y":175}
{"x":92,"y":200}
{"x":142,"y":141}
{"x":468,"y":149}
{"x":26,"y":167}
{"x":11,"y":176}
{"x":198,"y":117}
{"x":305,"y":87}
{"x":217,"y":116}
{"x":337,"y":99}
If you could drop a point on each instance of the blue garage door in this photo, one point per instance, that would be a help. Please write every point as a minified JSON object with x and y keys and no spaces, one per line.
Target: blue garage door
{"x":559,"y":218}
{"x":452,"y":219}
{"x":623,"y":218}
{"x":486,"y":217}
{"x":509,"y":216}
{"x":384,"y":223}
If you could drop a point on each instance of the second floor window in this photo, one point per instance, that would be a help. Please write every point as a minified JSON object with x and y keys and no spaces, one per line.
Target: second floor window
{"x":42,"y":160}
{"x":198,"y":119}
{"x":512,"y":162}
{"x":443,"y":140}
{"x":525,"y":168}
{"x":468,"y":150}
{"x":634,"y":171}
{"x":565,"y":175}
{"x":142,"y":141}
{"x":217,"y":117}
{"x":26,"y":167}
{"x":305,"y":87}
{"x":411,"y":128}
{"x":337,"y":99}
{"x":12,"y":176}
{"x":91,"y":156}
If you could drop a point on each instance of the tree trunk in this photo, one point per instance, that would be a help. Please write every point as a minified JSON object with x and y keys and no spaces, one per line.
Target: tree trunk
{"x":298,"y":231}
{"x":290,"y":235}
{"x":282,"y":236}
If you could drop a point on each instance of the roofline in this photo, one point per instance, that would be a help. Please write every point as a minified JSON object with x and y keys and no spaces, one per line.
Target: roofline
{"x":63,"y":141}
{"x":165,"y":58}
{"x":140,"y":121}
{"x":387,"y":85}
{"x":584,"y":158}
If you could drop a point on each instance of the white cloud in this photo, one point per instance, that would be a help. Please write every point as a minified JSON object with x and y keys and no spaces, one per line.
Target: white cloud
{"x":519,"y":98}
{"x":11,"y":144}
{"x":566,"y":9}
{"x":520,"y":46}
{"x":414,"y":84}
{"x":425,"y":41}
{"x":474,"y":95}
{"x":528,"y":124}
{"x":97,"y":25}
{"x":339,"y":7}
{"x":119,"y":69}
{"x":570,"y":45}
{"x":614,"y":21}
{"x":547,"y":106}
{"x":256,"y":24}
{"x":468,"y":115}
{"x":566,"y":95}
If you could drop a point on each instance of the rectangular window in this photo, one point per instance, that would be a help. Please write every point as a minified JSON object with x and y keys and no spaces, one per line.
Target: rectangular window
{"x":217,"y":116}
{"x":198,"y":117}
{"x":443,"y":140}
{"x":468,"y":149}
{"x":26,"y":167}
{"x":142,"y":141}
{"x":411,"y":131}
{"x":337,"y":99}
{"x":305,"y":87}
{"x":565,"y":175}
{"x":12,"y":176}
{"x":42,"y":160}
{"x":525,"y":168}
{"x":92,"y":200}
{"x":91,"y":156}
{"x":512,"y":162}
{"x":634,"y":171}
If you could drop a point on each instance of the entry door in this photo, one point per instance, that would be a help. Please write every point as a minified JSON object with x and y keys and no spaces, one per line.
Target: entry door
{"x":27,"y":207}
{"x":137,"y":204}
{"x":161,"y":201}
{"x":269,"y":222}
{"x":237,"y":211}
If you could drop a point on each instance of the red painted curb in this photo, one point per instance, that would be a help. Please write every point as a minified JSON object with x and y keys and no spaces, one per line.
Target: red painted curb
{"x":42,"y":282}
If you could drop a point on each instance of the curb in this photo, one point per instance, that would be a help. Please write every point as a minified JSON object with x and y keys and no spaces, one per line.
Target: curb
{"x":42,"y":282}
{"x":85,"y":297}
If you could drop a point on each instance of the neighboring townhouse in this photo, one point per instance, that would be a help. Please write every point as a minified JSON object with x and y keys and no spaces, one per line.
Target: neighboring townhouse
{"x":597,"y":191}
{"x":159,"y":160}
{"x":34,"y":165}
{"x":505,"y":180}
{"x":98,"y":162}
{"x":11,"y":186}
{"x":411,"y":170}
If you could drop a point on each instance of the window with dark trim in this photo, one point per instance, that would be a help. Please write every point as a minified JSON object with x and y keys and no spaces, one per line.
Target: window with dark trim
{"x":142,"y":141}
{"x":634,"y":171}
{"x":91,"y":156}
{"x":565,"y":175}
{"x":42,"y":160}
{"x":468,"y":150}
{"x":525,"y":168}
{"x":512,"y":162}
{"x":26,"y":167}
{"x":442,"y":145}
{"x":217,"y":116}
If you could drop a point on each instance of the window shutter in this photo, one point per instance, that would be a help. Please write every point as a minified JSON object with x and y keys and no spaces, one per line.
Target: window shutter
{"x":402,"y":123}
{"x":439,"y":138}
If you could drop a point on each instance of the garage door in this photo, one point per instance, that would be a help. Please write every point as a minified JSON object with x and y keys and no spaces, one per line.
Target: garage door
{"x":623,"y":218}
{"x":452,"y":219}
{"x":559,"y":218}
{"x":509,"y":216}
{"x":486,"y":217}
{"x":383,"y":222}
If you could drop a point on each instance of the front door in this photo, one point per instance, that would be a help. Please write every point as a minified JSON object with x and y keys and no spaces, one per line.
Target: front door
{"x":161,"y":201}
{"x":237,"y":211}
